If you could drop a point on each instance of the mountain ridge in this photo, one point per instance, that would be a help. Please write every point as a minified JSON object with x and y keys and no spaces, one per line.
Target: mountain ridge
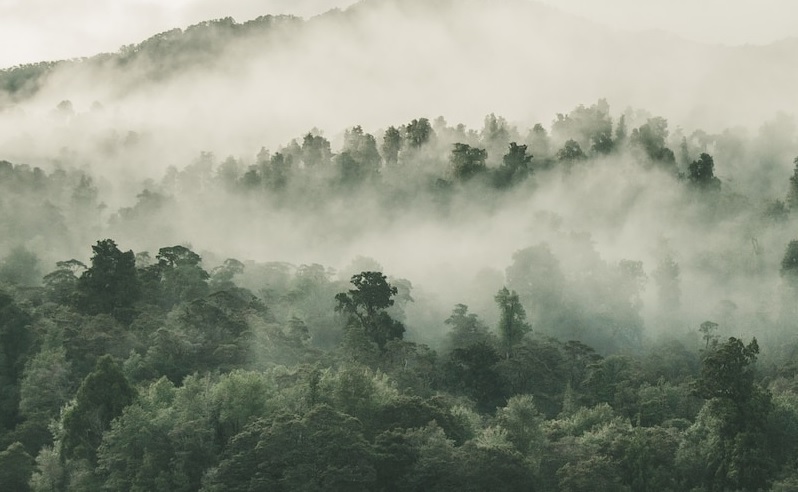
{"x":382,"y":61}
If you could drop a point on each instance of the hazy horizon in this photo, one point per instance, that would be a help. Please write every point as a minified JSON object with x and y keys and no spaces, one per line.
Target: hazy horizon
{"x":39,"y":30}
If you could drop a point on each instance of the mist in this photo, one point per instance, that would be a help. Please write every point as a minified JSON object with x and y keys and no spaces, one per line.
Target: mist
{"x":399,"y":243}
{"x":266,"y":83}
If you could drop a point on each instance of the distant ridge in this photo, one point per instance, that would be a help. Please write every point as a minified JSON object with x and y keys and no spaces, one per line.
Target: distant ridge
{"x":527,"y":54}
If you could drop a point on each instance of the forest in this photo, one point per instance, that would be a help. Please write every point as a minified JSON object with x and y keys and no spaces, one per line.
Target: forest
{"x":175,"y":367}
{"x":451,"y":282}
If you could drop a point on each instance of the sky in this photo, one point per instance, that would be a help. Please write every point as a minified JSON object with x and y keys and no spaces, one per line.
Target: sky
{"x":36,"y":30}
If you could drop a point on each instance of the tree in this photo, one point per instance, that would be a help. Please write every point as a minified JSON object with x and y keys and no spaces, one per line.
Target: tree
{"x":366,"y":304}
{"x":467,"y":162}
{"x":16,"y":343}
{"x":523,"y":423}
{"x":321,"y":450}
{"x":707,"y":330}
{"x":651,"y":138}
{"x":515,"y":166}
{"x":102,"y":396}
{"x":45,"y":386}
{"x":278,"y":171}
{"x":727,"y":371}
{"x":571,"y":151}
{"x":495,"y":132}
{"x":538,"y":141}
{"x":178,"y":276}
{"x":792,"y":194}
{"x":418,"y":132}
{"x":701,"y":173}
{"x":392,"y":143}
{"x":315,"y":150}
{"x":110,"y":285}
{"x":789,"y":264}
{"x":466,"y":328}
{"x":16,"y":468}
{"x":621,"y":131}
{"x":587,"y":126}
{"x":733,"y":422}
{"x":536,"y":275}
{"x":472,"y":371}
{"x":222,"y":276}
{"x":62,"y":283}
{"x":512,"y":320}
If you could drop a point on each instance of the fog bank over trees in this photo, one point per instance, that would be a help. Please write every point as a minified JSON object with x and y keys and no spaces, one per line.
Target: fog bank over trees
{"x":514,"y":250}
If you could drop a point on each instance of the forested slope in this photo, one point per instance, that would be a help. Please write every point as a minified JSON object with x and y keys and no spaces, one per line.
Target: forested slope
{"x":641,"y":336}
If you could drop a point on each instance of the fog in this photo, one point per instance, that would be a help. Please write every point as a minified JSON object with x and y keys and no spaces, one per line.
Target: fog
{"x":144,"y":124}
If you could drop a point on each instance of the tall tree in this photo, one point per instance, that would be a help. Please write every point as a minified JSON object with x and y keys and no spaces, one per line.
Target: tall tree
{"x":512,"y":320}
{"x":315,"y":150}
{"x":366,"y":304}
{"x":392,"y":143}
{"x":515,"y":166}
{"x":418,"y":132}
{"x":110,"y":285}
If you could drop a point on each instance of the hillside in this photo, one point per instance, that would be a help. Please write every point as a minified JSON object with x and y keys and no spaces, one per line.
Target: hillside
{"x":382,"y":61}
{"x":412,"y":245}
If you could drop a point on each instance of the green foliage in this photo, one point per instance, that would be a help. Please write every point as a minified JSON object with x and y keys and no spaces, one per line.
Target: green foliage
{"x":727,"y":371}
{"x":365,"y":306}
{"x":588,"y":127}
{"x":392,"y":143}
{"x":315,"y":150}
{"x":512,"y":321}
{"x":62,"y":283}
{"x":651,"y":138}
{"x":182,"y":279}
{"x":16,"y":343}
{"x":16,"y":468}
{"x":701,"y":173}
{"x":110,"y":285}
{"x":359,"y":159}
{"x":472,"y":371}
{"x":571,"y":151}
{"x":45,"y":387}
{"x":418,"y":132}
{"x":222,"y":276}
{"x":467,"y":162}
{"x":524,"y":426}
{"x":515,"y":166}
{"x":101,"y":397}
{"x":235,"y":396}
{"x":212,"y":333}
{"x":322,"y":450}
{"x":466,"y":328}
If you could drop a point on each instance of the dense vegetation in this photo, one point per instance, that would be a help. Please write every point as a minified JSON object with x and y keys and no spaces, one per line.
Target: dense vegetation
{"x":158,"y":370}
